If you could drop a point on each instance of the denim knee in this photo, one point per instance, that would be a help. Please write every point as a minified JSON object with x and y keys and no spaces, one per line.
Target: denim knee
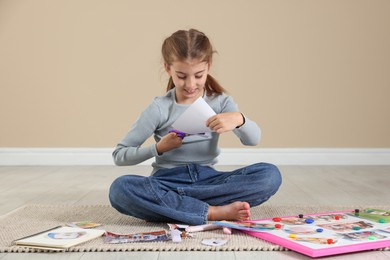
{"x":275,"y":178}
{"x":122,"y":192}
{"x":116,"y":189}
{"x":270,"y":180}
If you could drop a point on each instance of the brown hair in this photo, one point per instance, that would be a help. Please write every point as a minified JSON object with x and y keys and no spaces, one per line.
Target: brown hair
{"x":191,"y":44}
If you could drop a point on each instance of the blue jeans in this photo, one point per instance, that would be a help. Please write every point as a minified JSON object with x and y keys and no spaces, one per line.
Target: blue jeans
{"x":183,"y":194}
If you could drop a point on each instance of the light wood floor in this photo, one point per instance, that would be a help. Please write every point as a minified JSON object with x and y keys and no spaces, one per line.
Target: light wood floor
{"x":308,"y":185}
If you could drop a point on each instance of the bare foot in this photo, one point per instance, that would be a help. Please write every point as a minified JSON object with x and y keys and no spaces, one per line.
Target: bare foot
{"x":236,"y":211}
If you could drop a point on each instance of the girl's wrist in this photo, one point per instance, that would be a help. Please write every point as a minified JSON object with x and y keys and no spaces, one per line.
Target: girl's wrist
{"x":159,"y":152}
{"x":241,"y":122}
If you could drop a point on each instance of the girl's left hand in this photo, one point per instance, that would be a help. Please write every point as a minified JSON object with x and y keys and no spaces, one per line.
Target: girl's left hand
{"x":225,"y":122}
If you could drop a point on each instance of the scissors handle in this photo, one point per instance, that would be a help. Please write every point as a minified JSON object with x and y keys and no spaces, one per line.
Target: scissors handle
{"x":178,"y":133}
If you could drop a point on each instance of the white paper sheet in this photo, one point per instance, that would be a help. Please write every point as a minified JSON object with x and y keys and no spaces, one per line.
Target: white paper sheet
{"x":193,"y":120}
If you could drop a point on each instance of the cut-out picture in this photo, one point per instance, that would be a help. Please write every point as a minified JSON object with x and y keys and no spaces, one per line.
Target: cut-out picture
{"x":66,"y":235}
{"x":247,"y":225}
{"x":377,"y":212}
{"x":364,"y":235}
{"x":331,"y":217}
{"x":294,"y":221}
{"x":301,"y":230}
{"x":113,"y":238}
{"x":302,"y":221}
{"x":84,"y":224}
{"x":316,"y":240}
{"x":346,"y":227}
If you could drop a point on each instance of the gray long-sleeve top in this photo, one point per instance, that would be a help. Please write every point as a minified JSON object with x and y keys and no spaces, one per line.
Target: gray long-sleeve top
{"x":157,"y":120}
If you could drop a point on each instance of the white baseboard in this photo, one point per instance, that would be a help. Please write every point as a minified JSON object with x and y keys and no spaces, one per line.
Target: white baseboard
{"x":229,"y":156}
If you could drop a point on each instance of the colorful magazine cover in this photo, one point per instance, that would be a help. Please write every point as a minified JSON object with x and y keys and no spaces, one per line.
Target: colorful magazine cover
{"x":112,"y":238}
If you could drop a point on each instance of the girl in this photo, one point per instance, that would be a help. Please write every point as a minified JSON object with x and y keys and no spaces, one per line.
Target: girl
{"x":184,"y":186}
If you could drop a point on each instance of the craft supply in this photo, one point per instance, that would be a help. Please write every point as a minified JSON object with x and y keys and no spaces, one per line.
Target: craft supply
{"x":112,"y":238}
{"x":83,"y":224}
{"x":331,"y":233}
{"x":215,"y":241}
{"x":309,"y":221}
{"x":277,"y":219}
{"x":176,"y":236}
{"x":178,"y":133}
{"x":227,"y":230}
{"x":200,"y":228}
{"x":59,"y":238}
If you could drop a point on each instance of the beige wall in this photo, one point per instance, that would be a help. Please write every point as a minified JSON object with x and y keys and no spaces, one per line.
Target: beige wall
{"x":76,"y":73}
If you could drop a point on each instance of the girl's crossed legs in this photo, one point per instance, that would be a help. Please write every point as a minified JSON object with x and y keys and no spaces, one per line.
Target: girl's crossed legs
{"x":194,"y":194}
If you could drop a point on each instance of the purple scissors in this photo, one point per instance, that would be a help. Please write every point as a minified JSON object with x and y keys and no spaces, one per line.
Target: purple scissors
{"x":179,"y":133}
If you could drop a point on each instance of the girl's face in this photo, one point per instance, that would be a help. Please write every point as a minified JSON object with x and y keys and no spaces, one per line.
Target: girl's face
{"x":189,"y":77}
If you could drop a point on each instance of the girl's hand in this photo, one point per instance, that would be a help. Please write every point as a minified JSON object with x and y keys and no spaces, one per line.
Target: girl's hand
{"x":168,"y":142}
{"x":225,"y":122}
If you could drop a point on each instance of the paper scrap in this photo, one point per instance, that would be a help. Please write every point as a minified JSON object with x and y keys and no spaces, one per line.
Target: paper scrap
{"x":193,"y":120}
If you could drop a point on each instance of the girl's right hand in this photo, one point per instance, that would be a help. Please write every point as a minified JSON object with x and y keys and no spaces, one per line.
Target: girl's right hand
{"x":168,"y":142}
